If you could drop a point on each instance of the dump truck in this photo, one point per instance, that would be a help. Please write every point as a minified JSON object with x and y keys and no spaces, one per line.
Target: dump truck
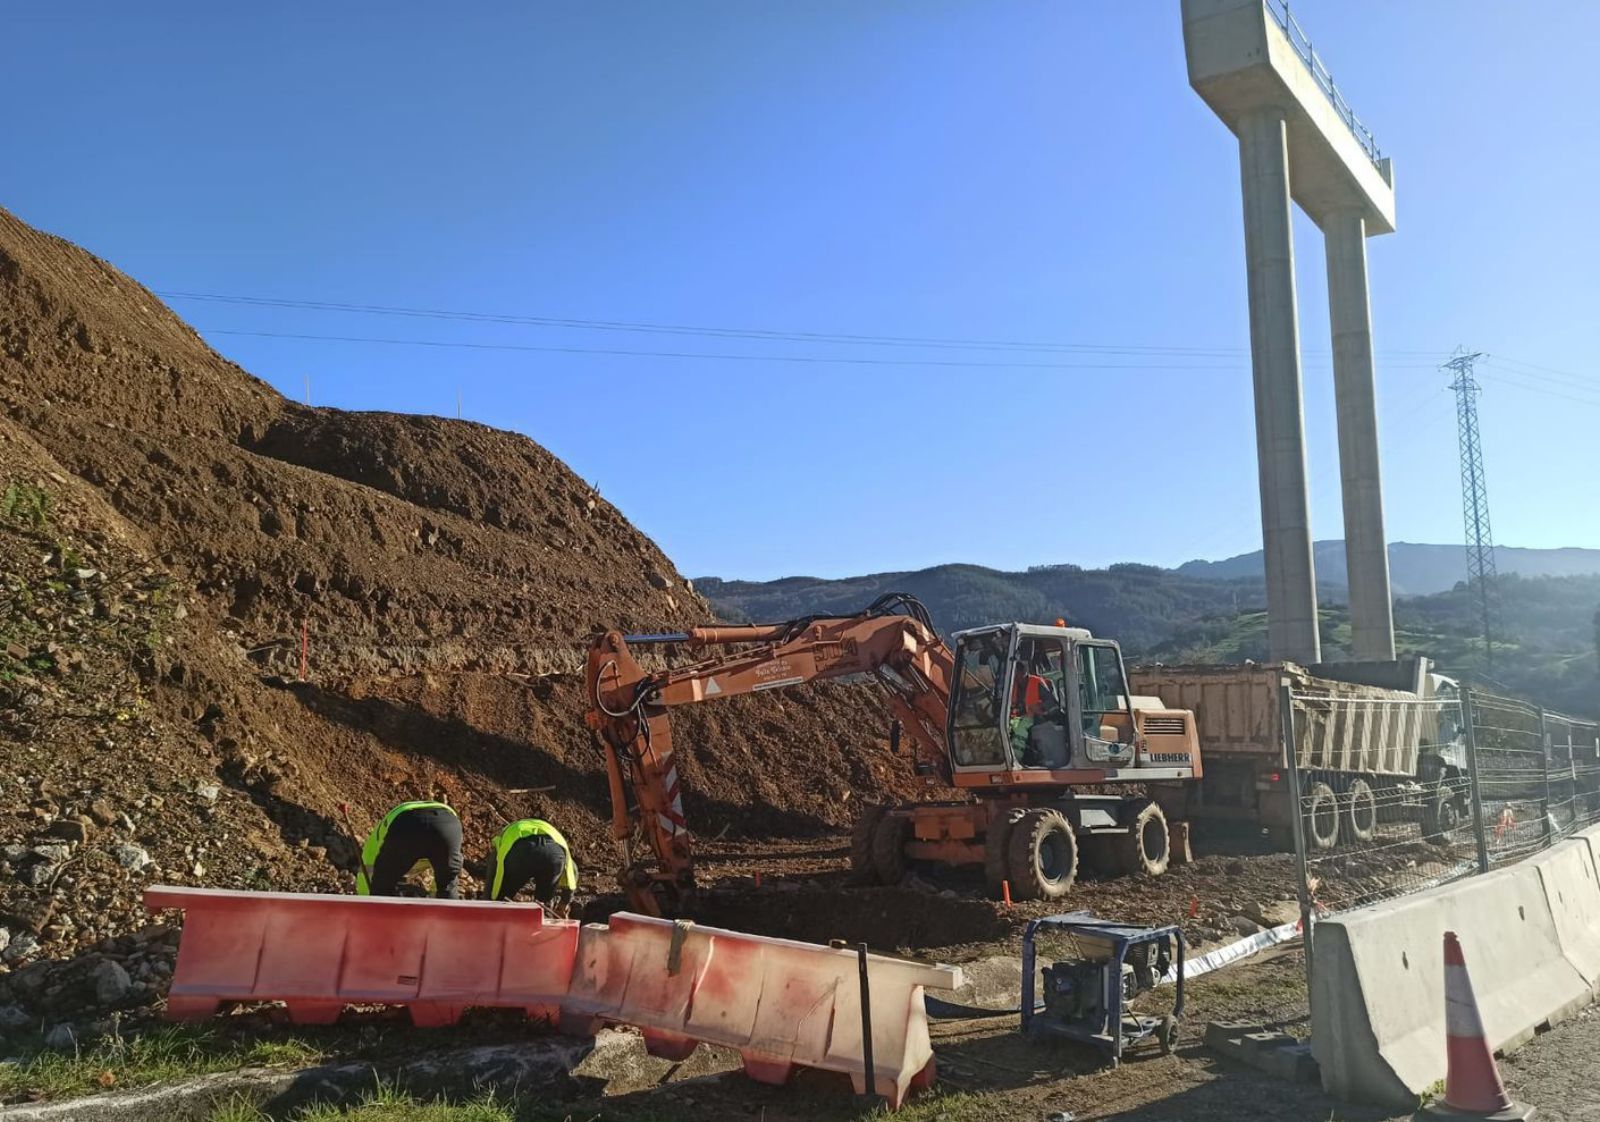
{"x":1373,"y":740}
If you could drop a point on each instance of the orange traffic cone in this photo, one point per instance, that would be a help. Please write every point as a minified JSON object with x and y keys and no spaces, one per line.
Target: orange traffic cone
{"x":1472,"y":1084}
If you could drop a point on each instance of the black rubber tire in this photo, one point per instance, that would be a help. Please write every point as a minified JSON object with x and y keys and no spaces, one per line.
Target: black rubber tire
{"x":1323,"y":812}
{"x":862,"y":870}
{"x":996,"y":870}
{"x":1042,"y":856}
{"x":889,"y":839}
{"x":1440,"y":817}
{"x":1358,"y":818}
{"x":1146,"y":848}
{"x":1167,"y":1035}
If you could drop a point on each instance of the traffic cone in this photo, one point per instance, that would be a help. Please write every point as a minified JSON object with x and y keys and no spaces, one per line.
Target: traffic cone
{"x":1472,"y":1084}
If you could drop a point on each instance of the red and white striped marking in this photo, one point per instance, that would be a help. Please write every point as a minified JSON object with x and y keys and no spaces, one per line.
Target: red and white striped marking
{"x":672,"y":820}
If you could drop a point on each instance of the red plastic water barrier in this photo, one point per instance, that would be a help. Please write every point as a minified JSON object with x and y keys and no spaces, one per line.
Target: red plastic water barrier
{"x":781,"y":1004}
{"x":318,"y":954}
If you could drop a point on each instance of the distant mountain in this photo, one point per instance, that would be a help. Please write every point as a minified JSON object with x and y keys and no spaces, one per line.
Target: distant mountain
{"x":1414,"y":569}
{"x":1215,"y":611}
{"x":1139,"y":604}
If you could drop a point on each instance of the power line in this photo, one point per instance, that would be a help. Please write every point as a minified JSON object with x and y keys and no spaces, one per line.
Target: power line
{"x":727,"y":332}
{"x":818,"y":359}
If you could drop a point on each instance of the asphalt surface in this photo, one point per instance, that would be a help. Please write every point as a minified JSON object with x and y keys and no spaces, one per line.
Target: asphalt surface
{"x":1559,"y":1072}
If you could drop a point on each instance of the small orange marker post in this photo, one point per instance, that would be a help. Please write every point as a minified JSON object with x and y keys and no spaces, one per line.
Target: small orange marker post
{"x":1005,"y":892}
{"x":1194,"y":906}
{"x":758,"y":878}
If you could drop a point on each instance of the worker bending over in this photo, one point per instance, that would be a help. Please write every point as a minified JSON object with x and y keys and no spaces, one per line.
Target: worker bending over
{"x":410,"y":835}
{"x":532,"y":850}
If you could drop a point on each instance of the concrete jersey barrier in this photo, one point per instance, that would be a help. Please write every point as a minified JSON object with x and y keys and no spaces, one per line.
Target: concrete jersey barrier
{"x":781,"y":1004}
{"x":1531,"y":936}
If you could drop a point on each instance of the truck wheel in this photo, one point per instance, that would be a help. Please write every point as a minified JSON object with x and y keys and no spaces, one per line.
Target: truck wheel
{"x":1322,"y":816}
{"x":1146,"y":848}
{"x":995,"y":848}
{"x":889,"y":839}
{"x":861,"y":867}
{"x":1042,"y":855}
{"x":1360,"y":812}
{"x":1440,"y":816}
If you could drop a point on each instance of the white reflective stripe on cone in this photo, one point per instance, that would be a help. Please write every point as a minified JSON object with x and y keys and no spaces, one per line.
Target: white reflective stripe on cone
{"x":1460,"y":1009}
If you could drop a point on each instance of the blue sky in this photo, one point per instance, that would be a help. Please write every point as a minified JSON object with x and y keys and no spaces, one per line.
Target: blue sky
{"x":1011,"y":172}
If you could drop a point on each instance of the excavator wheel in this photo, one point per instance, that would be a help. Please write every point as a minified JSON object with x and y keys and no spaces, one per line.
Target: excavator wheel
{"x":1042,"y":855}
{"x":862,"y":869}
{"x":995,"y":848}
{"x":1146,"y":848}
{"x":889,"y":839}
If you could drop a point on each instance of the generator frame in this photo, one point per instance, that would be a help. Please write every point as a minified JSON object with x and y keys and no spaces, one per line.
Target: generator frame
{"x":1120,"y":1031}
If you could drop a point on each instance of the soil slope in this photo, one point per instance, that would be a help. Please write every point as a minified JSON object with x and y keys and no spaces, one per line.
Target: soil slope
{"x":173,"y":523}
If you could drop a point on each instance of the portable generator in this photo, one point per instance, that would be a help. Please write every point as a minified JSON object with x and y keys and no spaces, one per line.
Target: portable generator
{"x":1088,"y":997}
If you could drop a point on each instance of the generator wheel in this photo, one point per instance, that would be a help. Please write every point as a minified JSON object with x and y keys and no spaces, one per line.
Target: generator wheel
{"x":1440,"y":816}
{"x":862,"y":870}
{"x":1360,"y":817}
{"x":1042,"y":855}
{"x":1167,"y":1035}
{"x":995,"y":848}
{"x":889,"y":839}
{"x":1146,"y":848}
{"x":1322,"y":816}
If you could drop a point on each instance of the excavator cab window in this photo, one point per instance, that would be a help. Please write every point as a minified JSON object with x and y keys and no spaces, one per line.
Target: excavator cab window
{"x":977,"y":709}
{"x":1038,"y":723}
{"x":1103,"y":694}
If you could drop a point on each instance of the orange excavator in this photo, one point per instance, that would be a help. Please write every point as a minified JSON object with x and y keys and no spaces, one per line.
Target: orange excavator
{"x":1021,"y":719}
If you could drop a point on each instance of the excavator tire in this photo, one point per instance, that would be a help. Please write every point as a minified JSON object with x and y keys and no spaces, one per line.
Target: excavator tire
{"x":1146,"y":848}
{"x":862,"y":869}
{"x":1042,"y":855}
{"x":889,"y":839}
{"x":996,"y":870}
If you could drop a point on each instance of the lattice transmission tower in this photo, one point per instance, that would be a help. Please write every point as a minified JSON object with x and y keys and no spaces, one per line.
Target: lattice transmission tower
{"x":1482,"y":576}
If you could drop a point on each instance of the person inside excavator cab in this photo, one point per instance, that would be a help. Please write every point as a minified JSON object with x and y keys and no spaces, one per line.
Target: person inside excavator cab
{"x":1038,"y":731}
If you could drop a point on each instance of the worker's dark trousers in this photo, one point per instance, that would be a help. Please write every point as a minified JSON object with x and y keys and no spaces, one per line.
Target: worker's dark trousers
{"x":535,"y":858}
{"x":430,"y":834}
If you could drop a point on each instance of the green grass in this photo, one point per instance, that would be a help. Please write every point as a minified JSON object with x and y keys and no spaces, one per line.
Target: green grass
{"x":170,"y":1052}
{"x":384,"y":1105}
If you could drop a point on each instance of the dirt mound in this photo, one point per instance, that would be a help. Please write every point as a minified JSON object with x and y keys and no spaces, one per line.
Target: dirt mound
{"x":445,"y":574}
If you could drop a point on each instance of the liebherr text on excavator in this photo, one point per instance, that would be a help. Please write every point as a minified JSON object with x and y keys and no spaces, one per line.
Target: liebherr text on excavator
{"x":1021,"y":720}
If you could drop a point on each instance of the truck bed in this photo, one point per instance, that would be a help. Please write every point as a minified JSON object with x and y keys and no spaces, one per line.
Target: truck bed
{"x":1340,"y":726}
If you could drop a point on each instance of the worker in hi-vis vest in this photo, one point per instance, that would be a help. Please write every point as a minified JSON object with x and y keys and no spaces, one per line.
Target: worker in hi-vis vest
{"x":534,"y":851}
{"x":412,"y":834}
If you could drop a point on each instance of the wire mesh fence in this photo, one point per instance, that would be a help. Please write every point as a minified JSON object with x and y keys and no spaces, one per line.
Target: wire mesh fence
{"x":1398,"y":794}
{"x":1384,"y":796}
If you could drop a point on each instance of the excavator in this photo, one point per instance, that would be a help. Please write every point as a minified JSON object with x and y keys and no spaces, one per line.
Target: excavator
{"x":1033,"y":726}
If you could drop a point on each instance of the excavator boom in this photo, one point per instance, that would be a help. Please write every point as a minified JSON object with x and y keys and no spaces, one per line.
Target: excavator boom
{"x":893,"y":640}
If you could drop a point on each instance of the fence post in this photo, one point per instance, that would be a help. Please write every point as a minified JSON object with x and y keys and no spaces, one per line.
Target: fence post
{"x":1544,"y":804}
{"x":1302,"y":873}
{"x":1478,"y":830}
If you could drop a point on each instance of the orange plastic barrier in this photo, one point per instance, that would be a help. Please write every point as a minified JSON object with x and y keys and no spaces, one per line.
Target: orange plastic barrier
{"x":781,"y":1004}
{"x":318,"y":954}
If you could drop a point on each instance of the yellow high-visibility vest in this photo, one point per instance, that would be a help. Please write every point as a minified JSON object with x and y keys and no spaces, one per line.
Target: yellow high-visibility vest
{"x":374,"y":843}
{"x":526,"y":828}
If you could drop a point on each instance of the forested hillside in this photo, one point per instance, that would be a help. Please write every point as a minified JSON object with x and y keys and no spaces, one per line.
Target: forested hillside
{"x":1546,"y":650}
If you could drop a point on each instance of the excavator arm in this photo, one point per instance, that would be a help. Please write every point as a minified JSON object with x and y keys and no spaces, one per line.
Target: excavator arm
{"x":893,"y":640}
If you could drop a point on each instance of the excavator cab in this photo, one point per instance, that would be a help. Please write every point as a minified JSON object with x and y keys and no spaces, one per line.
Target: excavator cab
{"x":1038,"y":698}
